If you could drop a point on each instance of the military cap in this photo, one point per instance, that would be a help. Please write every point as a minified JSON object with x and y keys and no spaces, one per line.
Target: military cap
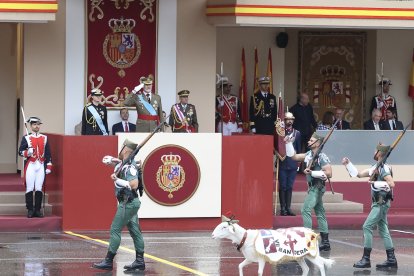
{"x":385,"y":81}
{"x":129,"y":144}
{"x":33,"y":119}
{"x":382,"y":148}
{"x":318,"y":137}
{"x":96,"y":92}
{"x":264,"y":80}
{"x":183,"y":93}
{"x":146,"y":80}
{"x":289,"y":115}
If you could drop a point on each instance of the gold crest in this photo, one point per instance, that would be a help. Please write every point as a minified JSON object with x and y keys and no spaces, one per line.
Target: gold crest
{"x":170,"y":175}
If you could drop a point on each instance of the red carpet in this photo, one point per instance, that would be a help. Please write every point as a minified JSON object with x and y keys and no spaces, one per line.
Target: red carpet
{"x":11,"y":182}
{"x":23,"y":224}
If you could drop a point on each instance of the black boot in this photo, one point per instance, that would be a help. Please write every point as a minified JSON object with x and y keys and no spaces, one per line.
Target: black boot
{"x":38,"y":204}
{"x":107,"y":263}
{"x":282,"y":200}
{"x":138,"y":264}
{"x":324,"y":245}
{"x":365,"y":261}
{"x":29,"y":204}
{"x":288,"y":196}
{"x":391,"y":261}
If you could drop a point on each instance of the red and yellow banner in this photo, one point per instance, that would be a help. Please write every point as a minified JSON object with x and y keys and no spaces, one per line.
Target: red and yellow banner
{"x":121,"y":46}
{"x":30,"y":6}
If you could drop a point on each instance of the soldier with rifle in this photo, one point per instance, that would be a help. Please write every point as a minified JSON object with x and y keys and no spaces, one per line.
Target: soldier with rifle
{"x":382,"y":183}
{"x":318,"y":171}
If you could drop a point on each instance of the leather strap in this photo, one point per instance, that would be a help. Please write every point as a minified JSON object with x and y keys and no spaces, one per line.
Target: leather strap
{"x":242,"y":241}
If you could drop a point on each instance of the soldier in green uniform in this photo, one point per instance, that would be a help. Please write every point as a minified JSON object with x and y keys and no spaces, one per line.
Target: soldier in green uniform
{"x":95,"y":116}
{"x":381,"y":195}
{"x":183,"y":116}
{"x":148,"y":104}
{"x":316,"y":177}
{"x":126,"y":185}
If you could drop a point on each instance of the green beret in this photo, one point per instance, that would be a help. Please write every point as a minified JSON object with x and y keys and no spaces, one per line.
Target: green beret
{"x":383,"y":148}
{"x":130,"y":144}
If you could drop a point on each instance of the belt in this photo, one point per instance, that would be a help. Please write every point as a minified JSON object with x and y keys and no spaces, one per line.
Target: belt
{"x":149,"y":117}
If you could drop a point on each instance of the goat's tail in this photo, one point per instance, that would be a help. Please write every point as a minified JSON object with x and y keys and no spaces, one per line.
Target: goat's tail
{"x":328,"y":262}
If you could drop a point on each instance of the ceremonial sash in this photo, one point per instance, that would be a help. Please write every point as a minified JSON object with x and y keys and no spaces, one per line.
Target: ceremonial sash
{"x":147,"y":105}
{"x":98,"y":119}
{"x":226,"y":102}
{"x":181,"y":116}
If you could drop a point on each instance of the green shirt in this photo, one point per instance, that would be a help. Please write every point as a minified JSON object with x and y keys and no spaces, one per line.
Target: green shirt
{"x":322,"y":161}
{"x":129,"y":172}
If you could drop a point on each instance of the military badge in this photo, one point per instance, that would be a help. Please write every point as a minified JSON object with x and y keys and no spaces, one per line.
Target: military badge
{"x":170,"y":175}
{"x":280,"y":127}
{"x":121,"y":48}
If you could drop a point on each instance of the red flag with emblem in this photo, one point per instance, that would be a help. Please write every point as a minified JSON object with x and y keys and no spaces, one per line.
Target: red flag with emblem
{"x":243,"y":94}
{"x":279,"y":134}
{"x":269,"y":71}
{"x":256,"y":72}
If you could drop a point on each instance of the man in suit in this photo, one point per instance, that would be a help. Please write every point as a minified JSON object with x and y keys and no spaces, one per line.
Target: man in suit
{"x":375,"y":123}
{"x":124,"y":125}
{"x":148,"y":104}
{"x":392,"y":120}
{"x":263,"y":109}
{"x":342,"y":124}
{"x":183,"y":116}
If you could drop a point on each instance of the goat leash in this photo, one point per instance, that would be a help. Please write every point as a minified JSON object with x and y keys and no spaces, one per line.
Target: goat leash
{"x":242,"y":241}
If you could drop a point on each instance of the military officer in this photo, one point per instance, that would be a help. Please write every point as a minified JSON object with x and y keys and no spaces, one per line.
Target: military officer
{"x":263,"y":109}
{"x":384,"y":100}
{"x":148,"y":104}
{"x":95,"y":116}
{"x":229,"y":107}
{"x":127,"y":181}
{"x":35,"y":149}
{"x":316,"y":176}
{"x":381,"y":194}
{"x":183,"y":116}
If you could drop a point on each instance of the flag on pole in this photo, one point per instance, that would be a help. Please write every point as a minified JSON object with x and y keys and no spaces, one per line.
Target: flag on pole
{"x":411,"y":86}
{"x":279,"y":135}
{"x":243,"y":94}
{"x":256,"y":72}
{"x":269,"y":71}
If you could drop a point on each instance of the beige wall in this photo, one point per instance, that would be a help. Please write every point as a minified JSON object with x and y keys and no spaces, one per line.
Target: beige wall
{"x":196,"y":59}
{"x":44,"y":71}
{"x":8,"y":87}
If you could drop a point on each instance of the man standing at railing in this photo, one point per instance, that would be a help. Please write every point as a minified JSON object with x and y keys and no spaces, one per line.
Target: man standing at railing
{"x":183,"y":116}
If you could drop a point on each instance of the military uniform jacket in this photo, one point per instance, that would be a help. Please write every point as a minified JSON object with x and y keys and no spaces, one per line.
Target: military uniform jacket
{"x":89,"y":124}
{"x":230,"y":110}
{"x":41,"y":149}
{"x":322,"y":161}
{"x":382,"y":173}
{"x":145,"y":123}
{"x":129,"y":172}
{"x":190,"y":115}
{"x":388,"y":100}
{"x":263,"y":112}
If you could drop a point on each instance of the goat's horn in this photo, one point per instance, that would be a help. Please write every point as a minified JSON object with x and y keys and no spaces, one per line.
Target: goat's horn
{"x":224,"y":218}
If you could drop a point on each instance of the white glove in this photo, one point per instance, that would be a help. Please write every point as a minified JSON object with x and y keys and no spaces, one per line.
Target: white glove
{"x":290,"y":150}
{"x":239,"y":130}
{"x":120,"y":183}
{"x":221,"y":103}
{"x":48,"y":171}
{"x":30,"y":152}
{"x":352,"y":170}
{"x":380,"y":105}
{"x":137,"y":88}
{"x":318,"y":174}
{"x":107,"y":159}
{"x":253,"y":130}
{"x":380,"y":186}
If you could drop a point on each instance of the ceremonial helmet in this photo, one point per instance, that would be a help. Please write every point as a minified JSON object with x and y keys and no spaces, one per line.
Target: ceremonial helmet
{"x":289,"y":116}
{"x":34,"y":119}
{"x":385,"y":81}
{"x":96,"y":92}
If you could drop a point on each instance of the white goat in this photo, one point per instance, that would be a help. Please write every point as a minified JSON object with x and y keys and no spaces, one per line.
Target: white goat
{"x":256,"y":248}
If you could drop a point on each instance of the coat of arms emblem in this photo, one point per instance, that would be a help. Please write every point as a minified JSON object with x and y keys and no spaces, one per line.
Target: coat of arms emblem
{"x":170,"y":175}
{"x":121,"y":48}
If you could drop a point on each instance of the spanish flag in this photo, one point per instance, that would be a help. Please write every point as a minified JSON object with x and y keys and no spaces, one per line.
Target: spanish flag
{"x":256,"y":72}
{"x":411,"y":86}
{"x":269,"y":71}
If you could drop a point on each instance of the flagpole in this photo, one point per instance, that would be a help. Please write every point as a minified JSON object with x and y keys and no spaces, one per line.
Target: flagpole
{"x":277,"y":183}
{"x":222,"y":99}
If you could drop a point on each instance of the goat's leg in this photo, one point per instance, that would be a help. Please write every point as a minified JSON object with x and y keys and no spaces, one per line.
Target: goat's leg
{"x":303,"y":265}
{"x":318,"y":261}
{"x":243,"y":264}
{"x":262,"y":263}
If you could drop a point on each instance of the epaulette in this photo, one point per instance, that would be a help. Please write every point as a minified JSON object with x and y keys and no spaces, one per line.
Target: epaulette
{"x":88,"y":104}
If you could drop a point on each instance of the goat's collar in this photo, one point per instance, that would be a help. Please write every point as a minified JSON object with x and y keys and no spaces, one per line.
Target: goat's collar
{"x":242,"y":241}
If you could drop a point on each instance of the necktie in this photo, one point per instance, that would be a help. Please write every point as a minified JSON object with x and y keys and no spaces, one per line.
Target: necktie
{"x":340,"y":124}
{"x":126,"y":127}
{"x":149,"y":98}
{"x":393,"y":125}
{"x":376,"y":126}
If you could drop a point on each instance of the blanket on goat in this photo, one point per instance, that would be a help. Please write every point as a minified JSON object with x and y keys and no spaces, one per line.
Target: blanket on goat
{"x":287,"y":242}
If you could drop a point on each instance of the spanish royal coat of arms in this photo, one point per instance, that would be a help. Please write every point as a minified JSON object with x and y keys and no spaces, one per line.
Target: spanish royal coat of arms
{"x":170,"y":175}
{"x":122,"y":47}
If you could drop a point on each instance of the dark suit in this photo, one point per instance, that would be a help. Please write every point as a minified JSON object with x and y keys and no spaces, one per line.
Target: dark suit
{"x":398,"y":125}
{"x":369,"y":125}
{"x":343,"y":125}
{"x":119,"y":127}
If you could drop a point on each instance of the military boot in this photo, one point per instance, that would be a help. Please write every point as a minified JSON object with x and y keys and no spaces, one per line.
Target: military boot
{"x":138,"y":264}
{"x":29,"y":204}
{"x":107,"y":263}
{"x":365,"y":261}
{"x":325,"y":245}
{"x":391,"y":261}
{"x":282,"y":200}
{"x":288,"y":196}
{"x":38,"y":204}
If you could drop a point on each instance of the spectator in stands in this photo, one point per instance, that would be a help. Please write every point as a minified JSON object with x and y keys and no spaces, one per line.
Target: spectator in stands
{"x":392,"y":120}
{"x":339,"y":115}
{"x":327,"y":121}
{"x":375,"y":123}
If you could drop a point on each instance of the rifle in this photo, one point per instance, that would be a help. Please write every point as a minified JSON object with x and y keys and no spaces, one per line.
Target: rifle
{"x":319,"y":150}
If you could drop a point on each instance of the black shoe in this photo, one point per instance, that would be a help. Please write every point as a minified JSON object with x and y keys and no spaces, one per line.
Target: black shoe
{"x":282,"y":200}
{"x":283,"y":212}
{"x":391,"y":261}
{"x":29,"y":213}
{"x":138,"y":264}
{"x":365,"y":261}
{"x":38,"y":214}
{"x":288,"y":196}
{"x":107,"y":263}
{"x":324,"y":245}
